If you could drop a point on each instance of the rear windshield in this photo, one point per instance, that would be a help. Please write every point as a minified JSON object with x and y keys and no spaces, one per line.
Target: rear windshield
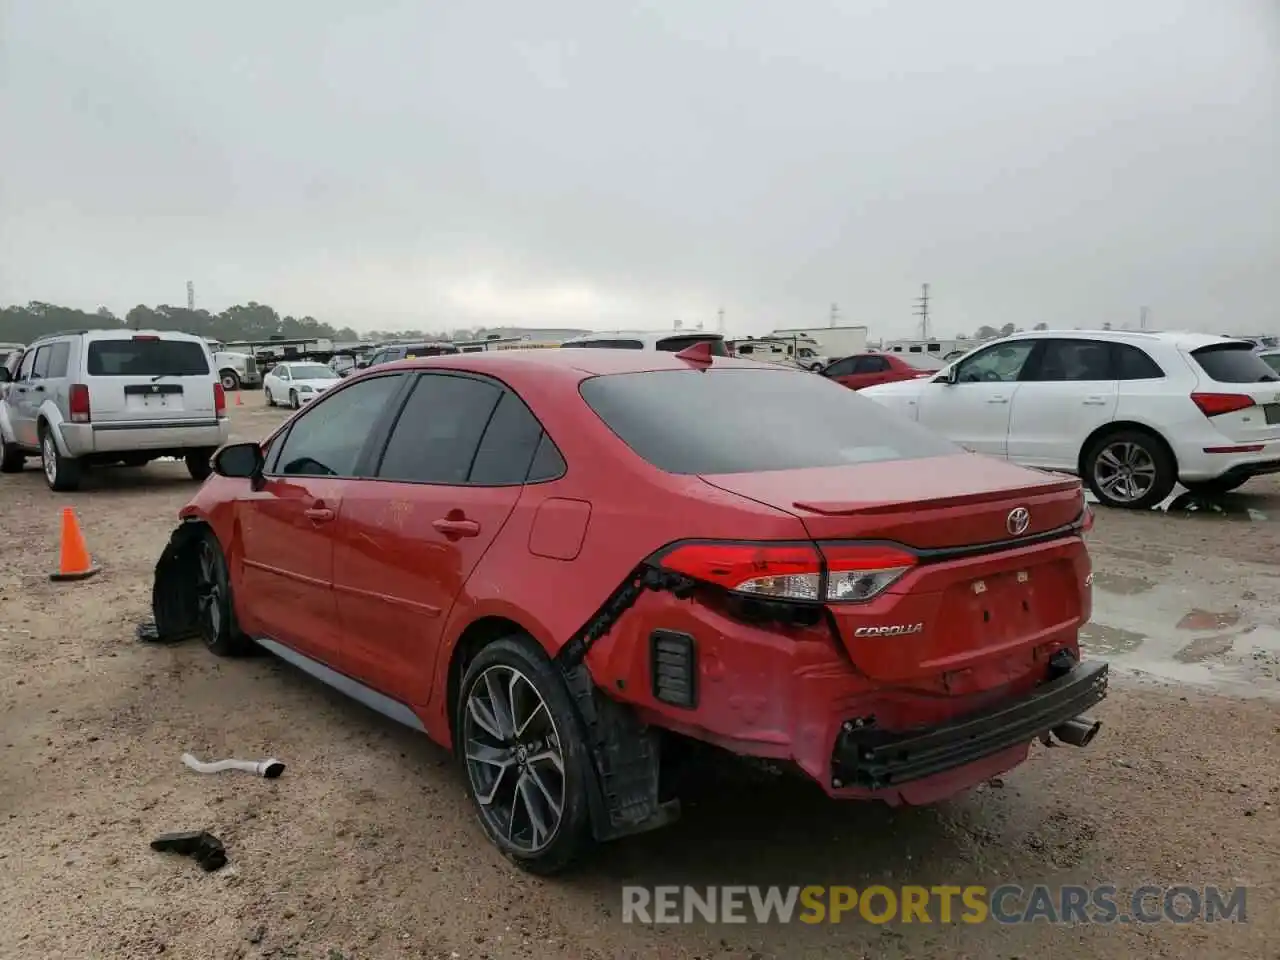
{"x":746,"y":421}
{"x":146,"y":358}
{"x":1233,"y":363}
{"x":676,"y":344}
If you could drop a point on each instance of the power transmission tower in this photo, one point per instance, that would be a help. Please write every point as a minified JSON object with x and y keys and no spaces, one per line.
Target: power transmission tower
{"x":922,"y":311}
{"x":191,"y":295}
{"x":835,"y":315}
{"x":1142,"y":317}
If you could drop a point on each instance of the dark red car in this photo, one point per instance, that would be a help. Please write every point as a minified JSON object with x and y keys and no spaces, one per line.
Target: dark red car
{"x":562,"y":563}
{"x":868,"y":369}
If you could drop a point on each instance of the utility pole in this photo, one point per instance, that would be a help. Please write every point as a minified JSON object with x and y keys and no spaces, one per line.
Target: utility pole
{"x":835,"y":315}
{"x":922,"y":311}
{"x":191,"y":295}
{"x":720,"y":320}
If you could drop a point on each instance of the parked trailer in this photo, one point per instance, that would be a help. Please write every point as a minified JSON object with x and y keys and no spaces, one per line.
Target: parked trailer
{"x":830,"y":342}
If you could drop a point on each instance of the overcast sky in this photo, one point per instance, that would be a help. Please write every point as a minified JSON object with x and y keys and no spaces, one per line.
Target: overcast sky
{"x":601,"y":164}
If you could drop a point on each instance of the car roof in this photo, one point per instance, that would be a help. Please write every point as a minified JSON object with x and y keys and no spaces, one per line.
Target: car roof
{"x":1184,"y":340}
{"x":571,"y":364}
{"x":647,"y":337}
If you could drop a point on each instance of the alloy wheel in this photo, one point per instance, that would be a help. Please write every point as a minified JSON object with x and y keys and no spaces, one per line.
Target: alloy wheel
{"x":514,"y":758}
{"x":209,"y":593}
{"x":49,"y":459}
{"x":1125,"y":471}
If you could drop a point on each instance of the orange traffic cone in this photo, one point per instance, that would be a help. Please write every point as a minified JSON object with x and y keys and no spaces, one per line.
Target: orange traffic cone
{"x":239,"y":402}
{"x":74,"y":562}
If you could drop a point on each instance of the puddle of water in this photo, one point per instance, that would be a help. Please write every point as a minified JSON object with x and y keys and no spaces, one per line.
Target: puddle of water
{"x":1105,"y":642}
{"x":1121,"y":583}
{"x":1179,"y":632}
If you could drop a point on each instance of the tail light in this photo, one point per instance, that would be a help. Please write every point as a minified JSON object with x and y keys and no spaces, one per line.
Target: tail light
{"x":828,"y":573}
{"x":219,"y":399}
{"x":78,"y":403}
{"x":1216,"y":404}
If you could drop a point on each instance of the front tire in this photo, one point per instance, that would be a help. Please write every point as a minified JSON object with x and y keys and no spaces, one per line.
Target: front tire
{"x":216,"y":611}
{"x":198,"y":465}
{"x":230,"y":380}
{"x":62,"y":474}
{"x":267,"y":391}
{"x":1130,"y":469}
{"x":294,"y":403}
{"x":524,"y":756}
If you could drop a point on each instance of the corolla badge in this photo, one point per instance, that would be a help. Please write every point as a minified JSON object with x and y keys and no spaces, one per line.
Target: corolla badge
{"x":1018,"y":520}
{"x":893,"y":630}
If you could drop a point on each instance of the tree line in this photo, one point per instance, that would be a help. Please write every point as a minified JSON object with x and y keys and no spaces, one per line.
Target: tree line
{"x":244,"y":321}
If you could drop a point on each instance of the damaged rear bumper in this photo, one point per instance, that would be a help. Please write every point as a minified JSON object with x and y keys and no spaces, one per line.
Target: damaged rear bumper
{"x":869,"y":759}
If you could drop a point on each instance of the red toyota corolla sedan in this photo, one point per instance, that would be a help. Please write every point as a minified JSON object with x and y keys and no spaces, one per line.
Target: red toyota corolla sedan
{"x":561,"y":563}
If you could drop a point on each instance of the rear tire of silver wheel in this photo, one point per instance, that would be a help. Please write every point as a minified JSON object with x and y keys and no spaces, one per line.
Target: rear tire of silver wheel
{"x":62,"y":474}
{"x":198,"y":465}
{"x":524,"y":756}
{"x":12,"y":458}
{"x":1130,"y":469}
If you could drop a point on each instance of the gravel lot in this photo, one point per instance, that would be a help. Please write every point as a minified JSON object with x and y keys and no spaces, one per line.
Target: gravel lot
{"x":366,"y":847}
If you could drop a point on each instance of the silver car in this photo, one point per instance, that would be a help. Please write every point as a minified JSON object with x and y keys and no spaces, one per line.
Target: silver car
{"x":102,"y":397}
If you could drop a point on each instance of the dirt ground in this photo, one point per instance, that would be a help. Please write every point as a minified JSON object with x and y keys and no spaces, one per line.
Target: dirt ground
{"x":366,"y":847}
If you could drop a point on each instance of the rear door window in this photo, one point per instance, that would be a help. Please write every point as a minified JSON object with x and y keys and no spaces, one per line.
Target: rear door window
{"x":146,"y":357}
{"x":40,"y":370}
{"x":437,"y":434}
{"x":1233,"y":363}
{"x":676,"y":344}
{"x":1060,"y":360}
{"x":509,"y":445}
{"x":810,"y":421}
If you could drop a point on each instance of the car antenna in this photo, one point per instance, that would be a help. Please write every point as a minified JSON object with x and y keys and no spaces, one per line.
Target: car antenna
{"x":698,"y":352}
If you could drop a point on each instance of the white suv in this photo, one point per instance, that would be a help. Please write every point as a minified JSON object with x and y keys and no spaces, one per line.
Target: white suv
{"x":1131,"y":413}
{"x":100,"y":397}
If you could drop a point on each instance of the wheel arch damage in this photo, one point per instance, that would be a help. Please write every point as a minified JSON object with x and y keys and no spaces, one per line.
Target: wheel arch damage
{"x":173,"y":593}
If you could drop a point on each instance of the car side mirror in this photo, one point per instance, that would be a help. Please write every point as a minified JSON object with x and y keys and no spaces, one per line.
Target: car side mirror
{"x":951,"y":375}
{"x":239,"y":460}
{"x":361,"y":364}
{"x":5,"y":375}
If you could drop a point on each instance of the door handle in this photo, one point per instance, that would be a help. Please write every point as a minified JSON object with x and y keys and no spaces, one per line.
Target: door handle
{"x":997,"y":399}
{"x":1094,"y":401}
{"x":318,"y":514}
{"x":457,"y":528}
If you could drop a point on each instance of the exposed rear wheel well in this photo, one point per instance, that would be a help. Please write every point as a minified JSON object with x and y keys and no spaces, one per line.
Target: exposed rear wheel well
{"x":475,"y":638}
{"x":1120,"y":426}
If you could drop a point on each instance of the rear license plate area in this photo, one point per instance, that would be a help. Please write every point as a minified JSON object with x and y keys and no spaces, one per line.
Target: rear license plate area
{"x":1010,"y":604}
{"x":1272,"y":412}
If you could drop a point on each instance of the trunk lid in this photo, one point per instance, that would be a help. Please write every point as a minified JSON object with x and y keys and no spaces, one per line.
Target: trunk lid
{"x":149,"y":377}
{"x":929,"y":504}
{"x":972,"y":615}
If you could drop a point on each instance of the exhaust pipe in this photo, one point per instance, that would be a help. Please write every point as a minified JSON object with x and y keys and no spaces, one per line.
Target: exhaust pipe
{"x":1078,"y":731}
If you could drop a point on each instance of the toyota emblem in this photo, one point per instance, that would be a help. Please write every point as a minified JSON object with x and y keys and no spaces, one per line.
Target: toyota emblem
{"x":1018,"y":521}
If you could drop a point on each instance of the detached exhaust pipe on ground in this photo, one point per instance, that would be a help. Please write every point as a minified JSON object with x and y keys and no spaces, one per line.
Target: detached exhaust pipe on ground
{"x":1078,"y":731}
